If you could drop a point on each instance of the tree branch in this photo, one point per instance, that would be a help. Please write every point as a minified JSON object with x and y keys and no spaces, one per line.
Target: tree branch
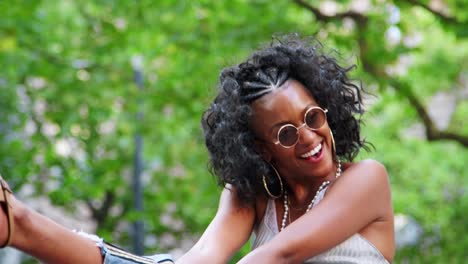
{"x":439,"y":14}
{"x":100,"y":213}
{"x":327,"y":18}
{"x":432,"y":132}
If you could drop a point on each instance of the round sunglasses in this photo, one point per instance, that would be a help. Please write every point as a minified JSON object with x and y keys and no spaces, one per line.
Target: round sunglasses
{"x":314,"y":118}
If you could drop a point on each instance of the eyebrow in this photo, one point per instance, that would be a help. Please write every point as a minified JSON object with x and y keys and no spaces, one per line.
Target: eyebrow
{"x":280,"y":124}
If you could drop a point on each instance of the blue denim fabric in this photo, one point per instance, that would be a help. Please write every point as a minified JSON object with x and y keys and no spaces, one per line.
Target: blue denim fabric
{"x":110,"y":257}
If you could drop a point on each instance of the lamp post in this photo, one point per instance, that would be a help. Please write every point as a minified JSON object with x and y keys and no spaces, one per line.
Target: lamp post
{"x":138,"y":228}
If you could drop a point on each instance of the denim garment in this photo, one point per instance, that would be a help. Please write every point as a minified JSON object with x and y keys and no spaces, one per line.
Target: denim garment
{"x":114,"y":255}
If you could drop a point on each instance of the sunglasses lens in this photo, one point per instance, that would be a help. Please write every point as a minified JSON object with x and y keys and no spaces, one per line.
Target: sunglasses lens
{"x":315,"y":118}
{"x":287,"y":135}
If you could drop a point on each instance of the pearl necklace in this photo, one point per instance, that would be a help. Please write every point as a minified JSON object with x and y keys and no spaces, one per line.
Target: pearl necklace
{"x":311,"y":204}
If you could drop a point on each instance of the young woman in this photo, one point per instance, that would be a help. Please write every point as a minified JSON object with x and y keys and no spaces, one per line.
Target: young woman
{"x":282,"y":133}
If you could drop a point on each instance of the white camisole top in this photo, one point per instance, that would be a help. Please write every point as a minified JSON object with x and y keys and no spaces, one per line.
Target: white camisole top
{"x":355,"y":249}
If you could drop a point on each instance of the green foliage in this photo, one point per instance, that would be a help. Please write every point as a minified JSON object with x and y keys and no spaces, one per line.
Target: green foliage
{"x":426,"y":184}
{"x":69,"y":104}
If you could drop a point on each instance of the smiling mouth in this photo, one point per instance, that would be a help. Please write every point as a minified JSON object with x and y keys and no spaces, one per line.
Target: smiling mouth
{"x":313,"y":153}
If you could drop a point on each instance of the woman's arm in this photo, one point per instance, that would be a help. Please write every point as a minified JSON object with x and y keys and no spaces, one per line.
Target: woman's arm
{"x":45,"y":240}
{"x":360,"y":197}
{"x":227,"y":232}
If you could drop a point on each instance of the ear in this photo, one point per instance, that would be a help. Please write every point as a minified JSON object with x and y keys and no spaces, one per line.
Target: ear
{"x":262,"y":149}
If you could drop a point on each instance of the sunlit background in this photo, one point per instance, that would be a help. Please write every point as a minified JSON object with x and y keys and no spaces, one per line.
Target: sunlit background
{"x":81,"y":80}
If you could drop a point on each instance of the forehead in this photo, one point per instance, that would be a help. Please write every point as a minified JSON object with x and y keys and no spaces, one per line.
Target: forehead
{"x":286,"y":103}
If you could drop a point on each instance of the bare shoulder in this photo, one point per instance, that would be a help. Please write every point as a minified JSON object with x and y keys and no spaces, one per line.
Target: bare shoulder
{"x":370,"y":179}
{"x":260,"y":207}
{"x":368,"y":171}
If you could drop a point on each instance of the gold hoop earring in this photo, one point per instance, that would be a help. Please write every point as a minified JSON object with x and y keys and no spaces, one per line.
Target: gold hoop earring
{"x":333,"y":145}
{"x":266,"y":185}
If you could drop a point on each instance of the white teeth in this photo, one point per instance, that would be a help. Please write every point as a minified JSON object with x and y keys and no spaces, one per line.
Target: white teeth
{"x":312,"y":152}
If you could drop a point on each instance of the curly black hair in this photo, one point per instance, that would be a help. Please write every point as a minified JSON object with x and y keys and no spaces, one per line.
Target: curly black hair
{"x":228,"y":136}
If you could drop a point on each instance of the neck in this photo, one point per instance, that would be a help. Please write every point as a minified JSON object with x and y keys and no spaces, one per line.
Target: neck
{"x":301,"y":191}
{"x":300,"y":195}
{"x":286,"y":199}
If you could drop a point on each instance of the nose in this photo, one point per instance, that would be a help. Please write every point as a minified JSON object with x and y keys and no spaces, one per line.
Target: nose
{"x":306,"y":135}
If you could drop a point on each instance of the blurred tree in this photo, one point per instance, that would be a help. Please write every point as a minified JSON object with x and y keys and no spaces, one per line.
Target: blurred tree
{"x":416,"y":51}
{"x":375,"y":59}
{"x":68,"y":104}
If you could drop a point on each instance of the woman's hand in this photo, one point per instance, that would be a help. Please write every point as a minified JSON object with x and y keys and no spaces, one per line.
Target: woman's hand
{"x":3,"y":227}
{"x":12,"y":214}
